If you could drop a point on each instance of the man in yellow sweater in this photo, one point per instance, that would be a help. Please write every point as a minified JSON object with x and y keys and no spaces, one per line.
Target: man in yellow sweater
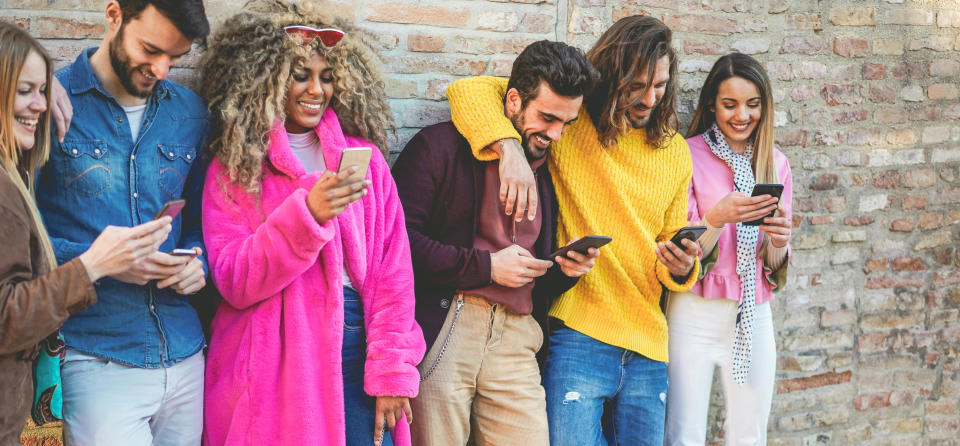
{"x":620,"y":170}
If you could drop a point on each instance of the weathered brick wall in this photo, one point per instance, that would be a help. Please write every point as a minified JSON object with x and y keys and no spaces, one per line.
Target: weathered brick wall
{"x":867,"y":112}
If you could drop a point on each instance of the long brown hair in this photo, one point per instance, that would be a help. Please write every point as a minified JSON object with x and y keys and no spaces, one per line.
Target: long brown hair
{"x":630,"y":47}
{"x":15,"y":46}
{"x":746,"y":67}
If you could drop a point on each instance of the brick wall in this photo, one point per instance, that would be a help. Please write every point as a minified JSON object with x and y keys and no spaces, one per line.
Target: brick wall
{"x":868,"y":113}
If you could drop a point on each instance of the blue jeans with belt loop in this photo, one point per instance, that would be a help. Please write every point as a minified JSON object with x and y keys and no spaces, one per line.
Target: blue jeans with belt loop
{"x":599,"y":394}
{"x":359,"y":408}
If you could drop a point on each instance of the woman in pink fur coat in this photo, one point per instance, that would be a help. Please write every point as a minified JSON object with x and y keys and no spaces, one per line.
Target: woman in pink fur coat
{"x":315,"y":341}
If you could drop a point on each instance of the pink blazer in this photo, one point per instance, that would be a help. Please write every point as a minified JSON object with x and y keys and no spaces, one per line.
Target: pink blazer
{"x":274,"y":366}
{"x":713,"y":180}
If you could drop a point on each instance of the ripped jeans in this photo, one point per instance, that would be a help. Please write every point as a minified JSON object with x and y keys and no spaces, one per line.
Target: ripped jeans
{"x":598,"y":394}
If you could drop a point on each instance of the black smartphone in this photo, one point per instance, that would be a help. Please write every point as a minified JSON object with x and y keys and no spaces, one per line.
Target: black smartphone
{"x":773,"y":190}
{"x":691,"y":233}
{"x":171,"y":208}
{"x":582,"y":245}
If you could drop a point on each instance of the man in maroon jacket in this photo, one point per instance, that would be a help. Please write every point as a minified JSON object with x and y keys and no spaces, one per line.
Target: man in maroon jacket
{"x":483,"y":279}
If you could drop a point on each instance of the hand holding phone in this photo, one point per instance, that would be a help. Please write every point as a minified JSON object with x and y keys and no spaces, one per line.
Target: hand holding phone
{"x":691,"y":233}
{"x":582,"y":245}
{"x":355,"y":156}
{"x":773,"y":190}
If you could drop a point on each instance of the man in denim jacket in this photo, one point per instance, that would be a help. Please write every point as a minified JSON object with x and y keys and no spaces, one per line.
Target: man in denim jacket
{"x":134,"y":369}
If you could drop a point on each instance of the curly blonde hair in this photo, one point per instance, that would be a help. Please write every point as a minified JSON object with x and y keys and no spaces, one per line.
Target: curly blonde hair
{"x":246,"y":71}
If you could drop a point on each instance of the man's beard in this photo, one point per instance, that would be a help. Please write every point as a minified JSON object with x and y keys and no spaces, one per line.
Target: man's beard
{"x":639,"y":123}
{"x":531,"y":152}
{"x":120,"y":61}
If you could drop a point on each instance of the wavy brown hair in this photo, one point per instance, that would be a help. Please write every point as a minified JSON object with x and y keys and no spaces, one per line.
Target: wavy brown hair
{"x":247,"y":69}
{"x":15,"y":46}
{"x":626,"y":51}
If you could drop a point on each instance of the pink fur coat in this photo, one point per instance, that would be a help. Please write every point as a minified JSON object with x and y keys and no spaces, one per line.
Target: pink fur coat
{"x":273,"y":371}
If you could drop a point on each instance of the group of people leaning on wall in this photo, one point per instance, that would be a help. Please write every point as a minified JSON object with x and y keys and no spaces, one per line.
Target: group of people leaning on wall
{"x":365,"y":305}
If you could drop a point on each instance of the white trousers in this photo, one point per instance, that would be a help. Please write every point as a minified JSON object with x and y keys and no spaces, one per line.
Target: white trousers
{"x":110,"y":404}
{"x":702,"y":332}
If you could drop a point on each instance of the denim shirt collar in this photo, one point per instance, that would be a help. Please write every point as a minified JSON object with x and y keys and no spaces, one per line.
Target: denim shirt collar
{"x":83,"y":79}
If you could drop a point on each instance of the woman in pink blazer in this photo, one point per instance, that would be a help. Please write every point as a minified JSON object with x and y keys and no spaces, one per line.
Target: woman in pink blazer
{"x":725,"y":319}
{"x":315,"y":341}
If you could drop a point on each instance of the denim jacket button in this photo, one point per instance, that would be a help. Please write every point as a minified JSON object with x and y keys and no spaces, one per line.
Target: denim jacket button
{"x":75,"y":151}
{"x":97,"y":151}
{"x":445,"y":303}
{"x":134,"y":195}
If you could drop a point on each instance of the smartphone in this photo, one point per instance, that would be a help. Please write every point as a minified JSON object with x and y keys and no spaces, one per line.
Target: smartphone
{"x":171,"y":208}
{"x":691,"y":233}
{"x":183,"y":252}
{"x":355,"y":156}
{"x":773,"y":190}
{"x":582,"y":245}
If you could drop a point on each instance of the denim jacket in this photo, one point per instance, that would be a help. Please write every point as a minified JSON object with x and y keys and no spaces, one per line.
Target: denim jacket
{"x":99,"y":176}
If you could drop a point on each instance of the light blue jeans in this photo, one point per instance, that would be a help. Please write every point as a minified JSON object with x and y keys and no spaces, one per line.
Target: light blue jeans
{"x":111,"y":404}
{"x":598,"y":394}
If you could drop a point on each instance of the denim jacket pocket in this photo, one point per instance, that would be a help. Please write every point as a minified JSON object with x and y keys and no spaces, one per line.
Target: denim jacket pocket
{"x":174,"y":165}
{"x":86,"y":167}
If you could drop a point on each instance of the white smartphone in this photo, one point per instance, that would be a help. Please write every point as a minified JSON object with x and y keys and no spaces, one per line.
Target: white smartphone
{"x":355,"y":156}
{"x":183,"y":252}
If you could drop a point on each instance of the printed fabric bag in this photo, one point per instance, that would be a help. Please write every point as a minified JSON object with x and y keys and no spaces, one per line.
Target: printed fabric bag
{"x":47,"y":389}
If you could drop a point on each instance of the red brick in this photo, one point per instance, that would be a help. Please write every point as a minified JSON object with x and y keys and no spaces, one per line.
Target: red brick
{"x":821,"y":220}
{"x":911,"y":69}
{"x":905,"y":224}
{"x":537,"y":23}
{"x":876,"y":265}
{"x":805,"y":204}
{"x":825,"y":181}
{"x":909,"y":264}
{"x":831,"y":138}
{"x":933,"y":220}
{"x":874,"y":71}
{"x":418,"y":14}
{"x":792,"y":138}
{"x":838,"y":318}
{"x":423,"y":43}
{"x":813,"y":382}
{"x":779,"y":70}
{"x":853,"y":16}
{"x":437,"y":63}
{"x":945,"y":279}
{"x":889,"y":115}
{"x":704,"y":47}
{"x":862,"y":220}
{"x":835,"y":204}
{"x":850,"y":46}
{"x":60,"y":28}
{"x":919,"y":178}
{"x":437,"y":89}
{"x":846,"y":117}
{"x":893,"y":282}
{"x":882,"y":94}
{"x":626,"y":11}
{"x":703,"y":24}
{"x":812,"y":22}
{"x":914,"y":202}
{"x":942,"y":407}
{"x":841,"y":94}
{"x":886,"y":180}
{"x":22,"y":22}
{"x":873,"y":342}
{"x":802,"y":93}
{"x":902,"y":398}
{"x":871,"y":401}
{"x":925,"y":113}
{"x":806,"y":45}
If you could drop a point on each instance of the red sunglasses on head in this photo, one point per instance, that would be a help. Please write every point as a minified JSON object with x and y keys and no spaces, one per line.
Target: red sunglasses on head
{"x":304,"y":35}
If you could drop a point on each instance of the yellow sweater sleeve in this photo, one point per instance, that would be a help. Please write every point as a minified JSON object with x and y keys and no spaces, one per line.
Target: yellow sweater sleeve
{"x":476,"y":106}
{"x":676,"y":218}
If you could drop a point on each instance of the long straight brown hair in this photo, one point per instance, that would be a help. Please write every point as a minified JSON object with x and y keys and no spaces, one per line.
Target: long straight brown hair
{"x":630,"y":47}
{"x":15,"y":46}
{"x":746,"y":67}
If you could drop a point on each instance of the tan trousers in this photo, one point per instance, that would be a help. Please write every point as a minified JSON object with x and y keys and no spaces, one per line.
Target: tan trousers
{"x":480,"y":380}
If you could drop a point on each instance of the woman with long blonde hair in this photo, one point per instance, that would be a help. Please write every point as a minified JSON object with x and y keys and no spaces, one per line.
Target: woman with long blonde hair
{"x":315,"y":341}
{"x":37,"y":295}
{"x":725,"y":320}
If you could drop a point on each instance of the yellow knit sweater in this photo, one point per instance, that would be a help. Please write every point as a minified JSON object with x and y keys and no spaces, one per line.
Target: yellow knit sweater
{"x":632,"y":192}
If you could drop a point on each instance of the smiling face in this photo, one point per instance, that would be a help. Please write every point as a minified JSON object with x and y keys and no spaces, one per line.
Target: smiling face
{"x":30,"y":101}
{"x":737,"y":109}
{"x":311,"y":90}
{"x":647,"y":92}
{"x":543,"y":119}
{"x":144,"y":49}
